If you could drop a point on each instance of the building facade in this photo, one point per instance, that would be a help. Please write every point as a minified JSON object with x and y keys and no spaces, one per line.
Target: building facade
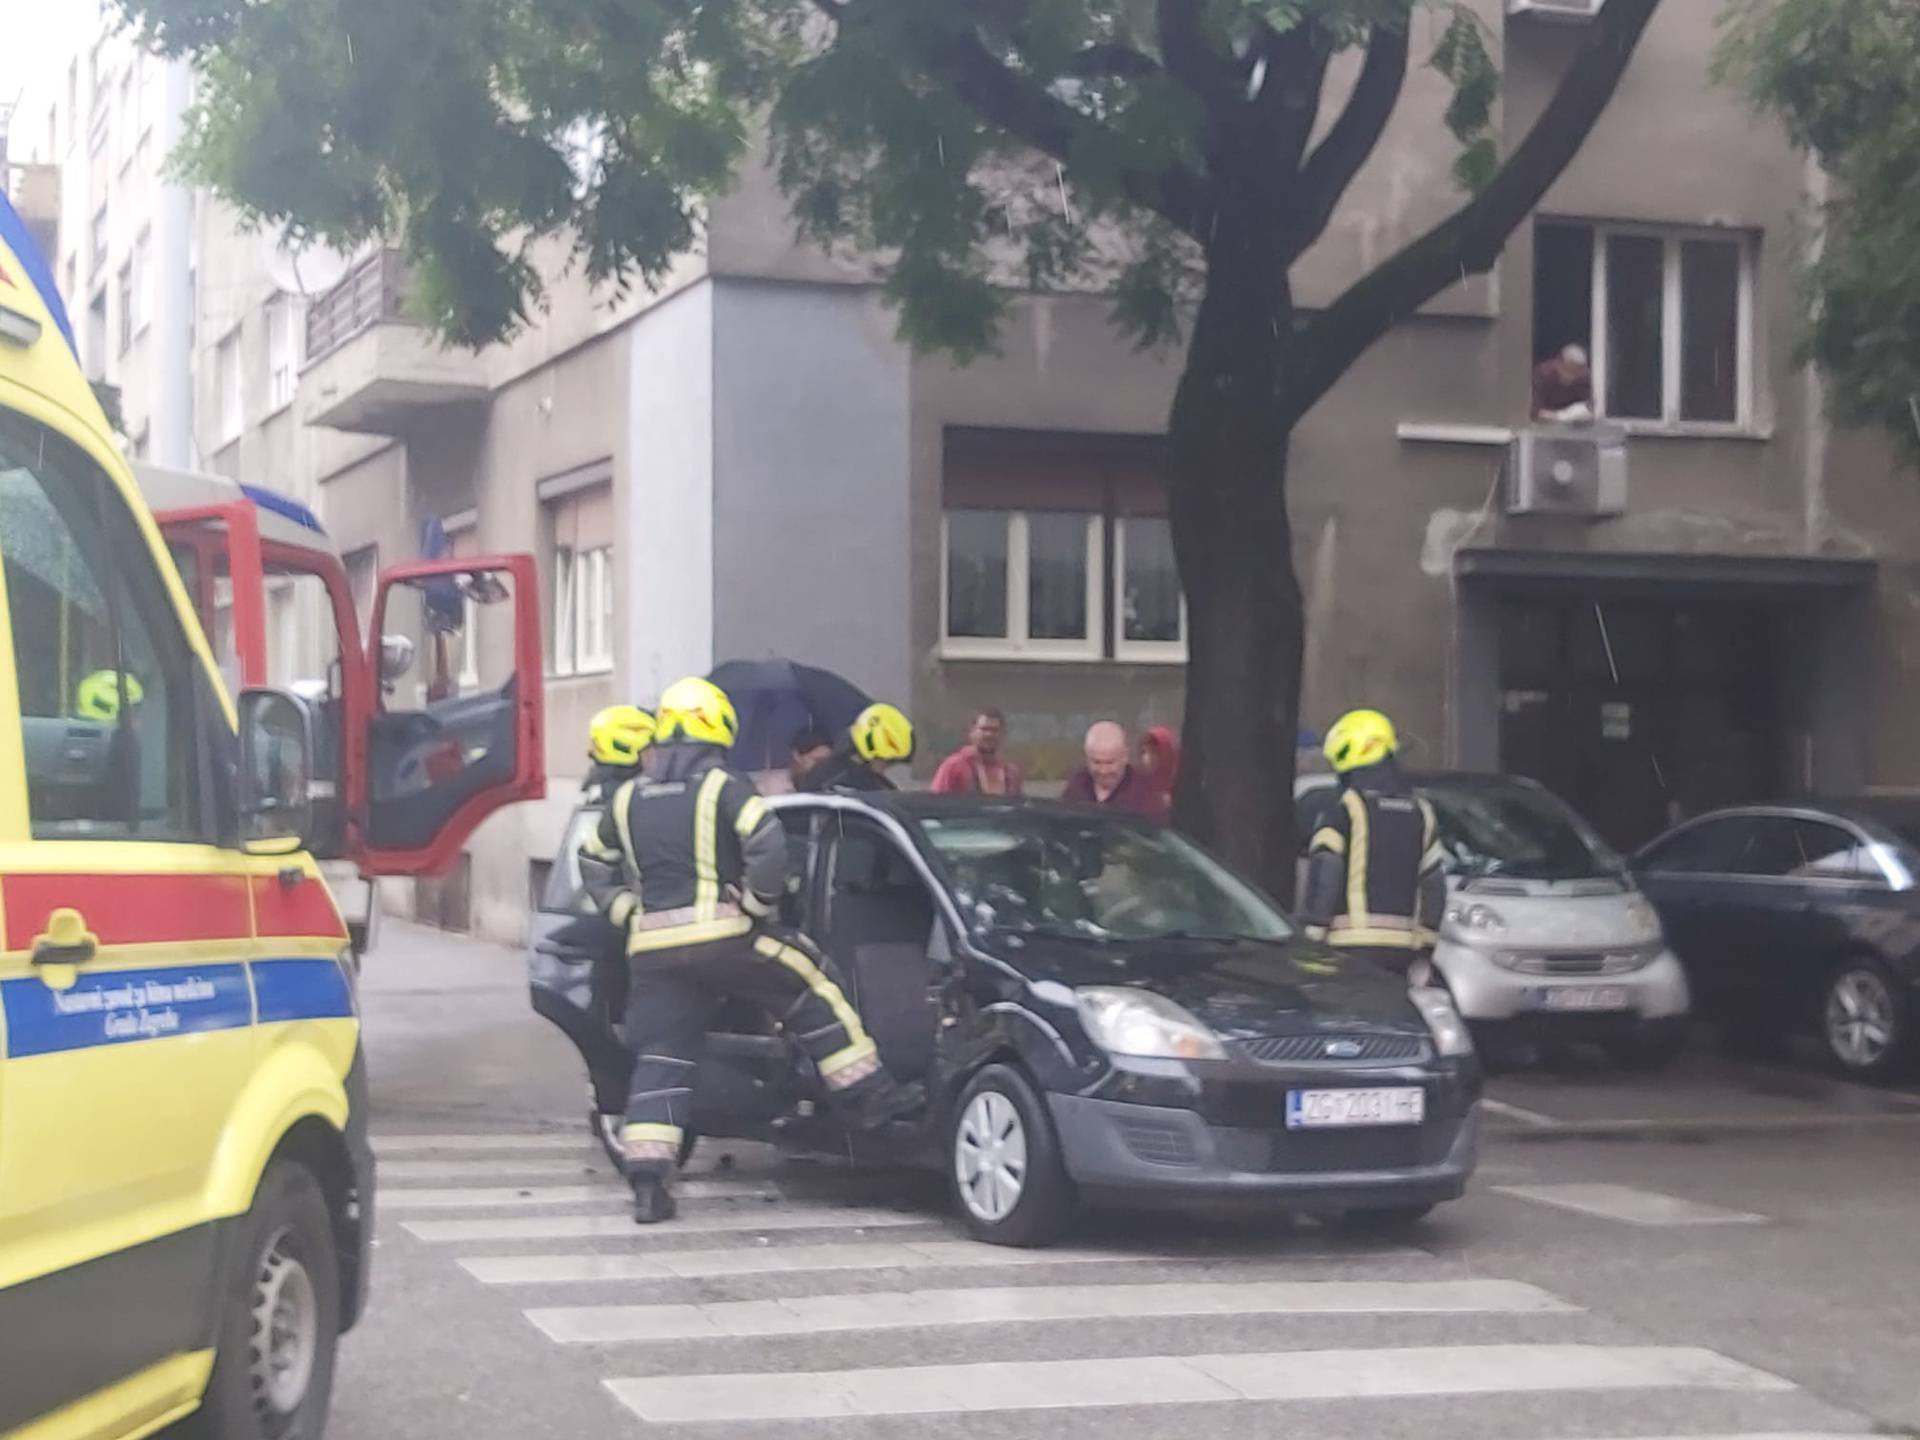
{"x":750,"y":463}
{"x":106,"y":114}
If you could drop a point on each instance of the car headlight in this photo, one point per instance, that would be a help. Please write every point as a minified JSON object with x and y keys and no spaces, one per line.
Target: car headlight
{"x":1643,"y":922}
{"x":1449,"y":1031}
{"x":1127,"y":1021}
{"x":1476,"y":921}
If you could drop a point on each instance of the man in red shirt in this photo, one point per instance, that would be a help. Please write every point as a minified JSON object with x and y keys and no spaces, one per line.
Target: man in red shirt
{"x":978,"y":768}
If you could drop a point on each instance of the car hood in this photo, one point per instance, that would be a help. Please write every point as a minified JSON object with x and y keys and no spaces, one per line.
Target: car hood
{"x":1559,"y":915}
{"x":1241,"y":991}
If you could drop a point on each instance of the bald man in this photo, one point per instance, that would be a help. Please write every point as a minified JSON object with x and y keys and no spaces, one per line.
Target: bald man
{"x":1108,"y":779}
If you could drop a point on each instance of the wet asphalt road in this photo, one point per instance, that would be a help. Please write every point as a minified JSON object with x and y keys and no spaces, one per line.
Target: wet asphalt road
{"x":1718,"y":1251}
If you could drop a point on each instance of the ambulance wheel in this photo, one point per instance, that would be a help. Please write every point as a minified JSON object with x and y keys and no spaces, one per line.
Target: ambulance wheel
{"x":279,"y":1319}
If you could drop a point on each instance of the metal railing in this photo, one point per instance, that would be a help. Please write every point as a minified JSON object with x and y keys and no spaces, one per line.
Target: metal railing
{"x":374,"y":290}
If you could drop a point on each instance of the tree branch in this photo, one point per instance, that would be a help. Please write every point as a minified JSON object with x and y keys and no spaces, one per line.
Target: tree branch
{"x":1037,"y":119}
{"x":1288,"y":99}
{"x":1470,"y":240}
{"x":1185,"y":52}
{"x":1338,"y":157}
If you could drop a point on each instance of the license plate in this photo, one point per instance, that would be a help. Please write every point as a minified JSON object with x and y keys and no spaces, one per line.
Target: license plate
{"x":1341,"y":1109}
{"x":1583,"y":997}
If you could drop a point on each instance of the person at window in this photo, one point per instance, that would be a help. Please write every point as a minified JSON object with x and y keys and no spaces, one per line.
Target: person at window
{"x":879,"y":738}
{"x":978,"y":767}
{"x":698,"y":864}
{"x":1376,"y":884}
{"x":1563,"y":388}
{"x":1158,"y":765}
{"x":810,"y":748}
{"x":1108,"y":778}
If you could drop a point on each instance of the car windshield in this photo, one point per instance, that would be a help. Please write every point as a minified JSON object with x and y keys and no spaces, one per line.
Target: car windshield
{"x":1518,"y":831}
{"x":1093,"y":878}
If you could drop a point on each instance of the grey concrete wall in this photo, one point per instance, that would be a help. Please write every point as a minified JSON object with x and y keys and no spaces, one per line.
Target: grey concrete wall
{"x":811,"y":481}
{"x":667,"y":555}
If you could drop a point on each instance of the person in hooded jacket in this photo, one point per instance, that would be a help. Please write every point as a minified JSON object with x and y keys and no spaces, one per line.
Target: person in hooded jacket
{"x":690,"y":863}
{"x":1375,"y":883}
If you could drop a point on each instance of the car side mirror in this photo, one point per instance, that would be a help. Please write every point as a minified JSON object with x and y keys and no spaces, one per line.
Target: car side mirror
{"x":276,"y":772}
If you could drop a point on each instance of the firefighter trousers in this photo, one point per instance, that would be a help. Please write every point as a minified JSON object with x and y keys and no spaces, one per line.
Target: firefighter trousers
{"x":671,"y":1002}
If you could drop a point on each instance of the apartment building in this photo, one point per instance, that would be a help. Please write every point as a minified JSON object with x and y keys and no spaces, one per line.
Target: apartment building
{"x":106,"y":114}
{"x":1710,"y":605}
{"x":749,"y":463}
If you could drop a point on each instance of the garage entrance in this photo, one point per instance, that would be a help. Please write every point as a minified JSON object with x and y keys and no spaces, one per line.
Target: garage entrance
{"x":1646,"y":689}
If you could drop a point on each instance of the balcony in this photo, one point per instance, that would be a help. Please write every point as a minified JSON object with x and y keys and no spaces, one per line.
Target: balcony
{"x":369,"y":367}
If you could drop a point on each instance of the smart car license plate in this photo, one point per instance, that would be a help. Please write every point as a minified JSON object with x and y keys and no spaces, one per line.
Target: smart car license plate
{"x":1583,"y":997}
{"x":1342,"y":1109}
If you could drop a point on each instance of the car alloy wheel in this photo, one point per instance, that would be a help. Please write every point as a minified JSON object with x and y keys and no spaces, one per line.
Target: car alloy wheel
{"x":286,"y":1331}
{"x":990,"y":1157}
{"x":1862,"y":1021}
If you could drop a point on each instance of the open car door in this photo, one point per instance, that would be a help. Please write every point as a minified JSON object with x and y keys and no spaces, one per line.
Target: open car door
{"x":460,"y":734}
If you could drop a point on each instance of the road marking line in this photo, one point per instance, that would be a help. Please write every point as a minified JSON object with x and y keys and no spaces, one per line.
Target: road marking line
{"x":1516,"y":1112}
{"x":570,"y":1227}
{"x":926,"y":1309}
{"x":487,"y":1197}
{"x":494,"y":1170}
{"x":826,"y":1259}
{"x":1630,"y":1206}
{"x":1171,"y":1380}
{"x":539,"y":1140}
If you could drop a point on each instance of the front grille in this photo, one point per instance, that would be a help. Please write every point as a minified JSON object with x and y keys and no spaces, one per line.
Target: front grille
{"x":1157,"y":1142}
{"x":1580,"y":962}
{"x":1336,"y":1049}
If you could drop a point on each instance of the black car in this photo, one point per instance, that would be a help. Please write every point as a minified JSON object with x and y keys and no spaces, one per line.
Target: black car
{"x":1100,"y":1010}
{"x":1799,"y":919}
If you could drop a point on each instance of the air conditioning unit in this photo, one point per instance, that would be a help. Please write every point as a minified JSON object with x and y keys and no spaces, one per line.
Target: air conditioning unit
{"x":1568,"y":470}
{"x":1556,"y":9}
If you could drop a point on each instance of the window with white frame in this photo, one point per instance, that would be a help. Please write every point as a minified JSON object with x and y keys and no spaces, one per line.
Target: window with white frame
{"x":463,"y":539}
{"x":227,"y":404}
{"x":142,"y":294}
{"x":1666,"y":314}
{"x":283,"y":351}
{"x":1054,"y":548}
{"x":577,"y":525}
{"x":123,"y":301}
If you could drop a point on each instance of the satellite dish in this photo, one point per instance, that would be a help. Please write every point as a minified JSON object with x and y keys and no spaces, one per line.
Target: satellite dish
{"x":303,"y":267}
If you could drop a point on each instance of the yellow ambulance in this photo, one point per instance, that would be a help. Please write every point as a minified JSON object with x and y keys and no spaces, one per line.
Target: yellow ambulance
{"x":186,"y":1184}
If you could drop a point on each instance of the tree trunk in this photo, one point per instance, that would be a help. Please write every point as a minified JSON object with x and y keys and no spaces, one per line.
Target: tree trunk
{"x":1228,"y":441}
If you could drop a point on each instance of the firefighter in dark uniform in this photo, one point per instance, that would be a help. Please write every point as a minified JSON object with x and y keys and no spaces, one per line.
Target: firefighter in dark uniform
{"x":880,"y":737}
{"x":1375,"y":882}
{"x":691,"y":863}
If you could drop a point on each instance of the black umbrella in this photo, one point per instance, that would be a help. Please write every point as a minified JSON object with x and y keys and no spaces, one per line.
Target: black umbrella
{"x":776,"y":700}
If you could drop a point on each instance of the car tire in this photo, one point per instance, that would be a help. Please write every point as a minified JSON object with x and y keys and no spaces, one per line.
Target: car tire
{"x":284,"y":1288}
{"x":1655,"y":1046}
{"x":1004,"y":1164}
{"x":1384,"y":1220}
{"x":1865,"y":1021}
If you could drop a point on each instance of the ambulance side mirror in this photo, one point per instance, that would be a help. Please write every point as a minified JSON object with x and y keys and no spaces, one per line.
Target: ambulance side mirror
{"x":276,"y":772}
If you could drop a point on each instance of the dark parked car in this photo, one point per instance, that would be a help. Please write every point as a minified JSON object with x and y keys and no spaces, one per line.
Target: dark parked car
{"x":1799,"y":919}
{"x":1100,"y":1010}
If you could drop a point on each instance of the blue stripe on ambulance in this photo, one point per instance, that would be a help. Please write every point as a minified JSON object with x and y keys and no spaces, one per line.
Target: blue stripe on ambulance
{"x":124,"y":1007}
{"x":301,"y":990}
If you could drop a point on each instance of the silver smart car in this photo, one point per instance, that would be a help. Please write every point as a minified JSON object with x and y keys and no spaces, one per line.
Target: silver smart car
{"x":1546,"y":939}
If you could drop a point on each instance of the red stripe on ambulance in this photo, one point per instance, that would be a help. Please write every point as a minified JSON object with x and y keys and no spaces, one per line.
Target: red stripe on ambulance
{"x":132,"y":909}
{"x":302,"y":908}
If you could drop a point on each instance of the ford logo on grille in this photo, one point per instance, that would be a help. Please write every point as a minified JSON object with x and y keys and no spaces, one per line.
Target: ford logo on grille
{"x":1343,"y":1049}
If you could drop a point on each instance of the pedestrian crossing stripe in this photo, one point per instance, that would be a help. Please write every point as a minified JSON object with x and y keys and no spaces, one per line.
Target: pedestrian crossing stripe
{"x":537,"y":1140}
{"x":1628,"y":1205}
{"x":749,"y":1220}
{"x":926,"y":1309}
{"x":1294,"y":1375}
{"x":394,"y":1198}
{"x":867,"y":1255}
